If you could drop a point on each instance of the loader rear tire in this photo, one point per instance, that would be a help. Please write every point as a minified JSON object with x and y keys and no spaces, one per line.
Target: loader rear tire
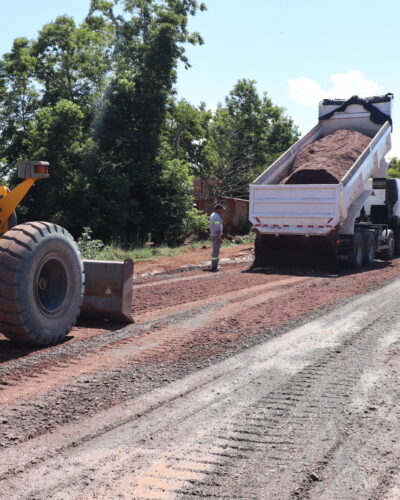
{"x":41,"y":283}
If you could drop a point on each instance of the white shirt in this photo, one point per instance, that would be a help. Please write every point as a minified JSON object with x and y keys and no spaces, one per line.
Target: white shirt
{"x":215,"y":224}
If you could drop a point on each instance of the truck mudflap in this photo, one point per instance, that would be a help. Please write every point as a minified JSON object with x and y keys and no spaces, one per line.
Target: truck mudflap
{"x":108,"y":290}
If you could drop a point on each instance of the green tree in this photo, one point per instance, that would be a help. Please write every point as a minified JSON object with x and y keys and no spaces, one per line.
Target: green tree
{"x":249,"y":132}
{"x":186,"y":136}
{"x":48,"y":89}
{"x":18,"y":102}
{"x":72,"y":61}
{"x":93,"y":100}
{"x":57,"y":136}
{"x":174,"y":192}
{"x":394,"y":168}
{"x":149,"y":41}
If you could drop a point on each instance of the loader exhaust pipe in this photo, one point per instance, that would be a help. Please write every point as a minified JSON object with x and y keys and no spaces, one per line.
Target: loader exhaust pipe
{"x":108,"y":290}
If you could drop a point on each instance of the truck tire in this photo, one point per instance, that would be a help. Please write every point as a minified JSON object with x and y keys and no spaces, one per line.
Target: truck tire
{"x":397,"y":241}
{"x":41,"y":283}
{"x":369,"y":248}
{"x":355,"y":257}
{"x":388,"y":253}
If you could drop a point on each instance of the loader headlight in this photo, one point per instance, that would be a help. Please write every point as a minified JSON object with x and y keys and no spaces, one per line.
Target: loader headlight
{"x":42,"y":169}
{"x":33,"y":169}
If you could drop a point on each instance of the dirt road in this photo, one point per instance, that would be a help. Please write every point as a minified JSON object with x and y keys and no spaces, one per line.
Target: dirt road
{"x":269,"y":385}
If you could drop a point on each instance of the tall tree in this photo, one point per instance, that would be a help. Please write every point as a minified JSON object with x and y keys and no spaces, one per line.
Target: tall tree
{"x":186,"y":136}
{"x":57,"y":136}
{"x":69,"y":71}
{"x":72,"y":61}
{"x":150,"y":38}
{"x":249,"y":133}
{"x":18,"y":102}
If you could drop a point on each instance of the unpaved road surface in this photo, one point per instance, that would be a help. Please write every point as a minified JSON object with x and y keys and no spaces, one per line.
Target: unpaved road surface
{"x":280,"y":384}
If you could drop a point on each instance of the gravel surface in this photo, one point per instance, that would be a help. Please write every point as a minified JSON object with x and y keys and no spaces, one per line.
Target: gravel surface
{"x":114,"y":412}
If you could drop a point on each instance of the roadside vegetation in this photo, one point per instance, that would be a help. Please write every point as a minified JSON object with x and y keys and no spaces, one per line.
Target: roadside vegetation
{"x":394,"y":168}
{"x":98,"y":102}
{"x":91,"y":248}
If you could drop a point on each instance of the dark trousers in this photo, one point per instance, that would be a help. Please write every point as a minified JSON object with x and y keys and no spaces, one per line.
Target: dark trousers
{"x":216,"y":241}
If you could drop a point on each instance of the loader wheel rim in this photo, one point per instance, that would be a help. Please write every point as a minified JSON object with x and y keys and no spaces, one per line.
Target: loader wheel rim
{"x":51,"y":285}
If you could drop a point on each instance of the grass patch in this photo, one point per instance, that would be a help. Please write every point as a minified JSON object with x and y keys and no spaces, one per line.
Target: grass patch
{"x":97,"y":250}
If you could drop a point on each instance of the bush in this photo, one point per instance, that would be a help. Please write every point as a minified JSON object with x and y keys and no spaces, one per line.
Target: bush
{"x":89,"y":247}
{"x":196,"y":223}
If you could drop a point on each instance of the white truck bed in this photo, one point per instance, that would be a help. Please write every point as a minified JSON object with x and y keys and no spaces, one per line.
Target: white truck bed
{"x":316,"y":209}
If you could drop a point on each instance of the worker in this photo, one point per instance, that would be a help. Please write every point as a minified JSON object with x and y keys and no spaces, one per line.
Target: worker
{"x":216,"y":235}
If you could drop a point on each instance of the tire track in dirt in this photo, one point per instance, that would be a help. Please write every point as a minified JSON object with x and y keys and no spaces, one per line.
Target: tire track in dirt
{"x":204,"y":345}
{"x":236,"y":295}
{"x":274,"y":410}
{"x":199,"y":287}
{"x":20,"y":357}
{"x":87,"y":335}
{"x":153,"y":344}
{"x":276,"y":434}
{"x":189,"y":276}
{"x":234,"y":324}
{"x":276,"y":431}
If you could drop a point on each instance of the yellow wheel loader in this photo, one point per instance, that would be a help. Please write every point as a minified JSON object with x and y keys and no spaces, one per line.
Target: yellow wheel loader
{"x":44,"y":284}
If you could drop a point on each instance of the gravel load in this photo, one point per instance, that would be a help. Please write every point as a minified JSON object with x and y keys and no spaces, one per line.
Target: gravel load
{"x":328,"y":160}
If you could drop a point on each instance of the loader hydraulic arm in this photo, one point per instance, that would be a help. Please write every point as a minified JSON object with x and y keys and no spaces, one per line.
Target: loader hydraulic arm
{"x":30,"y":171}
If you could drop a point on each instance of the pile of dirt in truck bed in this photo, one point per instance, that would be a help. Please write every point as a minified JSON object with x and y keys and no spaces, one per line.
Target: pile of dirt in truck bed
{"x":328,"y":160}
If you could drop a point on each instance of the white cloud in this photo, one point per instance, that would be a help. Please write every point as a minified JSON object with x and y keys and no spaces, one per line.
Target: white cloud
{"x":305,"y":91}
{"x":309,"y":92}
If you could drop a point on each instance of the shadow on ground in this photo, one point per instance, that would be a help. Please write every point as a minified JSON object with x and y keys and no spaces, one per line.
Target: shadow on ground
{"x":10,"y":350}
{"x":316,"y":270}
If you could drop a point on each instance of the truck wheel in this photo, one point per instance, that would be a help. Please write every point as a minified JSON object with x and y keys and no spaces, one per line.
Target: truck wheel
{"x":397,"y":241}
{"x":369,"y":248}
{"x":41,"y":283}
{"x":355,"y":257}
{"x":388,"y":253}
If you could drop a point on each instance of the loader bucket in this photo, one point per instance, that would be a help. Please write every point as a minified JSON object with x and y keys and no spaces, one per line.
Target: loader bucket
{"x":108,"y":290}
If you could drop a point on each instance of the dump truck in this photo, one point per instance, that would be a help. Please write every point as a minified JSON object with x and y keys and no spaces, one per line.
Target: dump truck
{"x":351,"y":221}
{"x":44,"y":284}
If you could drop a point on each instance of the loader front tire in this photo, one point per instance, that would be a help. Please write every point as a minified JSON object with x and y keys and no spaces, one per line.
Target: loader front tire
{"x":41,"y":283}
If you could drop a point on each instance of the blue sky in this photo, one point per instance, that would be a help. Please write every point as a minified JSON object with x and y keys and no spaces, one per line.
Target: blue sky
{"x":297,"y":51}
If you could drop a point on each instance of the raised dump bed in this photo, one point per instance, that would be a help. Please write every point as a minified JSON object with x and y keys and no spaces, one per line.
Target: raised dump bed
{"x":333,"y":210}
